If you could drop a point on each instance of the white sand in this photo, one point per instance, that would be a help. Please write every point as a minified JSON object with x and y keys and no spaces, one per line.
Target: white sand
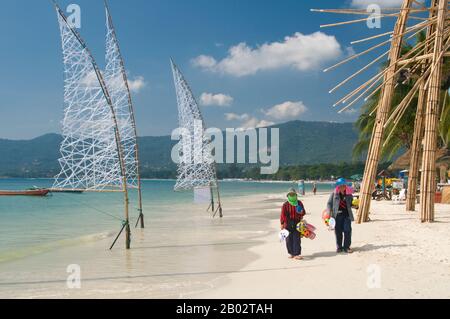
{"x":412,"y":259}
{"x":241,"y":257}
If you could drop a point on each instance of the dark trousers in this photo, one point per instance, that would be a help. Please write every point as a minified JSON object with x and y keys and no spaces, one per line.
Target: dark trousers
{"x":343,"y":232}
{"x":293,"y":244}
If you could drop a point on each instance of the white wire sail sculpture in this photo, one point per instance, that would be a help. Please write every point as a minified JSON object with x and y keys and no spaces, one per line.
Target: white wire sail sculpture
{"x":197,"y":167}
{"x":89,"y":155}
{"x":117,"y":82}
{"x":92,"y":153}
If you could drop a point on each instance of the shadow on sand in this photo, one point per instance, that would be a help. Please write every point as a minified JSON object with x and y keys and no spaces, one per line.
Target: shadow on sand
{"x":365,"y":248}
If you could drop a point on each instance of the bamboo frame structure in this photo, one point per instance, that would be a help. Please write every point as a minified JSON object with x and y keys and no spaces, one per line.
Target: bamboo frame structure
{"x":104,"y":89}
{"x":425,"y":59}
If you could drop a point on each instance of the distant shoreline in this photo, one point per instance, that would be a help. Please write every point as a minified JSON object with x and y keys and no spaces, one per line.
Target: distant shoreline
{"x":173,"y":180}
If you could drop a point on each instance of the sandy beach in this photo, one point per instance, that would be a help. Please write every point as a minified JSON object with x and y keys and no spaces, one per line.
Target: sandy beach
{"x":241,"y":257}
{"x":412,"y":260}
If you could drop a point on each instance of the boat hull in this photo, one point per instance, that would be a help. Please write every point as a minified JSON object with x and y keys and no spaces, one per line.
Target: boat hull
{"x":34,"y":192}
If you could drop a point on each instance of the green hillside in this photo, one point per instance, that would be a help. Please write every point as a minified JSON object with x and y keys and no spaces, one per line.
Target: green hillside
{"x":302,"y":143}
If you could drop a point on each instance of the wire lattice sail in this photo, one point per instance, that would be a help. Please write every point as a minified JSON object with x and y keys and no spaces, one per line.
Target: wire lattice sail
{"x":116,"y":82}
{"x":92,"y":152}
{"x":89,"y":150}
{"x":197,"y":166}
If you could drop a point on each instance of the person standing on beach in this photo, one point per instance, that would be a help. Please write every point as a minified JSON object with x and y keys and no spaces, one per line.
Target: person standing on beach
{"x":340,"y":208}
{"x":292,"y":213}
{"x":315,"y":189}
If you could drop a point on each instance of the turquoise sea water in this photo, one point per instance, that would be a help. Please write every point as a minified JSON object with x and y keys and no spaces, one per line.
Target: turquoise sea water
{"x":31,"y":225}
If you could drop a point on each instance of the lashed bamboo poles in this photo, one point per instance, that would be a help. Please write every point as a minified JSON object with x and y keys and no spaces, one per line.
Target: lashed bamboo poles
{"x":371,"y":82}
{"x":428,"y":179}
{"x":416,"y":147}
{"x":382,"y":113}
{"x":375,"y":80}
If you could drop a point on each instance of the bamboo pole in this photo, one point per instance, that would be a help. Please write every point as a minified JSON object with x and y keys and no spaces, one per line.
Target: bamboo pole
{"x":212,"y":205}
{"x":416,"y":147}
{"x":359,"y":72}
{"x":382,"y":113}
{"x":388,"y":15}
{"x":364,"y":12}
{"x":428,"y":178}
{"x":407,"y":30}
{"x":358,"y":55}
{"x":415,"y":151}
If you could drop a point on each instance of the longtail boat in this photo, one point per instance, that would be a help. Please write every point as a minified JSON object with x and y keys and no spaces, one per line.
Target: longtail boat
{"x":30,"y":192}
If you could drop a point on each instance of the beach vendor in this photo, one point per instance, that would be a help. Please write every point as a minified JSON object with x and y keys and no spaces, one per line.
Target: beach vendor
{"x":340,"y":208}
{"x":292,"y":213}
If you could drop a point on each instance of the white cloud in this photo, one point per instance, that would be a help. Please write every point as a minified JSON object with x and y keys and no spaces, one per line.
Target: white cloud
{"x":281,"y":112}
{"x":248,"y":121}
{"x":209,"y":99}
{"x":287,"y":110}
{"x":236,"y":117}
{"x":137,"y":84}
{"x":381,"y":3}
{"x":204,"y":61}
{"x":299,"y":51}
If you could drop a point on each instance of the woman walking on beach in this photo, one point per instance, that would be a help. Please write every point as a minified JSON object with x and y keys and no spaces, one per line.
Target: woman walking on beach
{"x":292,"y":213}
{"x":340,"y":207}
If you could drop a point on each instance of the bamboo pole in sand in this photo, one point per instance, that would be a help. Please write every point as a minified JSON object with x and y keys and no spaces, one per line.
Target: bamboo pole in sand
{"x":416,"y":147}
{"x":428,"y":178}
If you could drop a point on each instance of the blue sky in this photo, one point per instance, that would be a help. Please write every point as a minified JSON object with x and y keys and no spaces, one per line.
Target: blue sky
{"x":273,"y":75}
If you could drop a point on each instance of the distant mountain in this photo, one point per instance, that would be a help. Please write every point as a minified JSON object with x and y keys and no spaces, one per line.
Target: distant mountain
{"x":316,"y":142}
{"x":300,"y":143}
